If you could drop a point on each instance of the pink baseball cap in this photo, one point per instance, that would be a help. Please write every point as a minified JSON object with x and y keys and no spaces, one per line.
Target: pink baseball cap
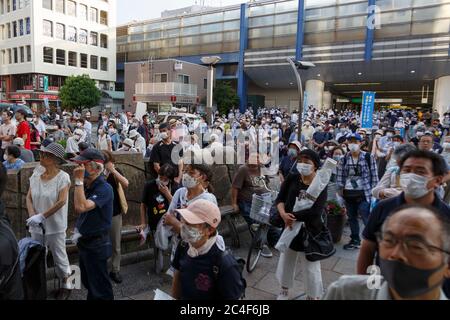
{"x":201,"y":211}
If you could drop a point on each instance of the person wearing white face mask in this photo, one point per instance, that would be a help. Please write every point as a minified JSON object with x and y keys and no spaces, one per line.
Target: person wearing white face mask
{"x":356,"y":176}
{"x":293,"y":188}
{"x":128,"y":146}
{"x":289,"y":162}
{"x":204,"y":270}
{"x":139,"y":142}
{"x":72,"y":143}
{"x":195,"y":184}
{"x":104,"y":141}
{"x":421,"y":173}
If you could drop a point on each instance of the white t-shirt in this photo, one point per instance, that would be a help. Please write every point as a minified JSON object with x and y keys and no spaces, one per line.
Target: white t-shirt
{"x":45,"y":194}
{"x":72,"y":145}
{"x":180,"y":200}
{"x":140,"y":146}
{"x":103,"y":142}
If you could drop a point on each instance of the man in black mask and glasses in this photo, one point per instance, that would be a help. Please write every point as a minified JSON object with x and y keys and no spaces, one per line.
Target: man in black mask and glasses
{"x":414,"y":248}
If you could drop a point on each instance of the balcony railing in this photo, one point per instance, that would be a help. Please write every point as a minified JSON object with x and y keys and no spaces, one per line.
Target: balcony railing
{"x":166,"y":89}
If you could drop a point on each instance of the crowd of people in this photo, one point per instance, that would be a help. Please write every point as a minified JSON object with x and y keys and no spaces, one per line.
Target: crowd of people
{"x":391,"y":180}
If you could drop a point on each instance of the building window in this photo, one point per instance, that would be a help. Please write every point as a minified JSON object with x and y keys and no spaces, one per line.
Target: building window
{"x":183,"y":79}
{"x":28,"y":25}
{"x":47,"y":4}
{"x":83,"y":60}
{"x":8,"y":27}
{"x":103,"y":41}
{"x":94,"y":39}
{"x":94,"y":62}
{"x":21,"y":29}
{"x":72,"y":34}
{"x":71,"y":8}
{"x":9,"y":56}
{"x":59,"y":6}
{"x":16,"y":56}
{"x":29,"y":53}
{"x":72,"y":59}
{"x":14,"y":5}
{"x":205,"y":84}
{"x":48,"y":55}
{"x":60,"y":31}
{"x":48,"y":28}
{"x":15,"y":29}
{"x":83,"y":36}
{"x":104,"y":64}
{"x":22,"y":54}
{"x":83,"y":11}
{"x":60,"y":56}
{"x":94,"y":15}
{"x":104,"y":18}
{"x":2,"y":11}
{"x":160,"y":77}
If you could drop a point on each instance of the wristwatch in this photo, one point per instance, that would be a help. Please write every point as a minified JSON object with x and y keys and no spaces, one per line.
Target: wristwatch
{"x":79,"y":183}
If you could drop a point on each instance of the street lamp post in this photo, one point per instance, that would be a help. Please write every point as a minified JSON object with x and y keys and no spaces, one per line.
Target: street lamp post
{"x":296,"y":65}
{"x":210,"y":61}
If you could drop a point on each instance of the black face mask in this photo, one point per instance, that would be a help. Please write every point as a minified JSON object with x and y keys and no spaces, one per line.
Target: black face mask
{"x":406,"y":280}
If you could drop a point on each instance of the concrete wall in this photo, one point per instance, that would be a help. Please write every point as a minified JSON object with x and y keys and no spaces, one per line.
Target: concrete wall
{"x":283,"y":98}
{"x":133,"y":167}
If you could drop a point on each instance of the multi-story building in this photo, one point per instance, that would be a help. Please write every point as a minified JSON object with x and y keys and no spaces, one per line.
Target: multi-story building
{"x":398,"y":48}
{"x":44,"y":41}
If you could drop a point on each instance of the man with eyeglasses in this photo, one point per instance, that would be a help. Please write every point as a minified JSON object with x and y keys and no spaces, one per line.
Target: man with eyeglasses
{"x":414,"y":254}
{"x":421,"y":173}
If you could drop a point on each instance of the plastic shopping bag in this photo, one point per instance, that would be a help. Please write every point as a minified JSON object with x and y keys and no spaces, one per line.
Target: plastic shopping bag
{"x":287,"y":236}
{"x":162,"y":235}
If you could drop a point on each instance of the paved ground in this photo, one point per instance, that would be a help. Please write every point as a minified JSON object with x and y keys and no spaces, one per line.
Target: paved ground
{"x":139,"y":280}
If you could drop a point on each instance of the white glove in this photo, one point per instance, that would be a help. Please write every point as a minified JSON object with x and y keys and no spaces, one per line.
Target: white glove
{"x":36,"y":220}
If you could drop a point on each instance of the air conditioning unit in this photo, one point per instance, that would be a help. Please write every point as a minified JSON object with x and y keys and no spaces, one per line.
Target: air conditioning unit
{"x":178,"y":66}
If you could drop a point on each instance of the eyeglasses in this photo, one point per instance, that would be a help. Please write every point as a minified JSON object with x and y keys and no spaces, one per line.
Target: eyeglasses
{"x":412,"y":245}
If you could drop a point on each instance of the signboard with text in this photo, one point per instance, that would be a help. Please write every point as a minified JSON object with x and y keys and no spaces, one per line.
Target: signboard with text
{"x":368,"y":104}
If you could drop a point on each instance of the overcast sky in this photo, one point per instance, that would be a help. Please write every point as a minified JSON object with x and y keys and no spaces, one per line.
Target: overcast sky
{"x":128,"y":10}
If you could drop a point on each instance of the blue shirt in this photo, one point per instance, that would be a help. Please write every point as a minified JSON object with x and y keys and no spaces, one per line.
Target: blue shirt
{"x":287,"y":165}
{"x":13,"y":166}
{"x":98,"y":220}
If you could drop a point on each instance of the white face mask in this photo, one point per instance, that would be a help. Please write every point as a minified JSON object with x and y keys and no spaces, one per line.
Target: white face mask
{"x":189,"y":182}
{"x":414,"y":185}
{"x":446,"y":145}
{"x":389,"y":134}
{"x":353,"y":147}
{"x":5,"y":157}
{"x":305,"y":169}
{"x":396,"y":144}
{"x":190,"y":235}
{"x":158,"y":181}
{"x":164,"y":135}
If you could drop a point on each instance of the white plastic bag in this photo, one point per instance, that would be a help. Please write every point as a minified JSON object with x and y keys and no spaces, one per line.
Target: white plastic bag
{"x":287,"y":236}
{"x":161,"y":295}
{"x":162,"y":235}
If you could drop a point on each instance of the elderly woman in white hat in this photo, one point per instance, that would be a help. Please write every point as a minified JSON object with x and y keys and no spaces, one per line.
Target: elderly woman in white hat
{"x":139,"y":142}
{"x":47,"y":204}
{"x":128,"y":146}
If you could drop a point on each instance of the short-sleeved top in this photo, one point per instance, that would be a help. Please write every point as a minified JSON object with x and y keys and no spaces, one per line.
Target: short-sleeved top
{"x":157,"y":205}
{"x":98,"y":220}
{"x":249,"y":182}
{"x":162,"y":153}
{"x":7,"y":130}
{"x":198,"y":280}
{"x":45,"y":194}
{"x":22,"y":129}
{"x":384,"y":208}
{"x":26,"y":155}
{"x":17,"y":165}
{"x":180,"y":200}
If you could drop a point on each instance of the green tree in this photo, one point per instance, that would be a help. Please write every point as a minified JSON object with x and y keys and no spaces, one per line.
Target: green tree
{"x":79,"y":92}
{"x":225,"y":97}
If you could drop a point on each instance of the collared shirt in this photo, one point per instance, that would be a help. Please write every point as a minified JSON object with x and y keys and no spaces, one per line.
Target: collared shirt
{"x":368,"y":177}
{"x":357,"y":288}
{"x":97,"y":220}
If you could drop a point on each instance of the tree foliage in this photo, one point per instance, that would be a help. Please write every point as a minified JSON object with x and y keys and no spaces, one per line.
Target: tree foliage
{"x":225,"y":97}
{"x":79,"y":92}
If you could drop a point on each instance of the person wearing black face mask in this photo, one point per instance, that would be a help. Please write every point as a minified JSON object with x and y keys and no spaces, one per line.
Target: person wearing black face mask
{"x":414,"y":260}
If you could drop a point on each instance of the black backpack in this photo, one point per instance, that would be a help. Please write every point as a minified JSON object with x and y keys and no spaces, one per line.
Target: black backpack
{"x":368,"y":160}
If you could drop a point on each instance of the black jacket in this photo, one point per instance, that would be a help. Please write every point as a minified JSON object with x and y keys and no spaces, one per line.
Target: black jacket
{"x":10,"y":278}
{"x":314,"y":218}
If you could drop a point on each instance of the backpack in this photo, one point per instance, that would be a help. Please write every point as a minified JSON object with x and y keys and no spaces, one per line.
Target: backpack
{"x":217,"y":263}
